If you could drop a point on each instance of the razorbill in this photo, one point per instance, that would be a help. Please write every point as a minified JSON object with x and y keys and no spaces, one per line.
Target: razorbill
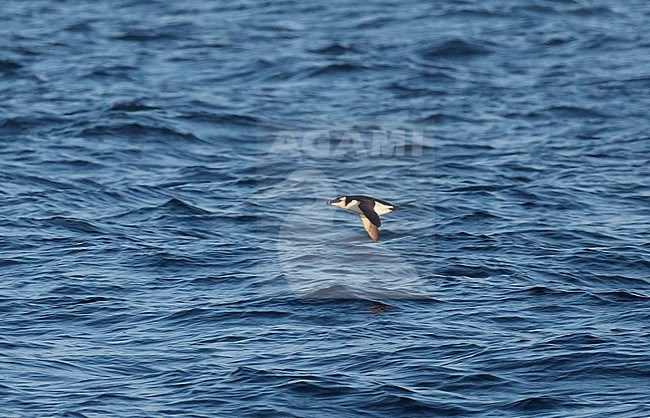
{"x":368,"y":208}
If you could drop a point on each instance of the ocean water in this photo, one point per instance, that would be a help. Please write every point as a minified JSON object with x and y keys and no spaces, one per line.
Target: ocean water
{"x":166,"y":250}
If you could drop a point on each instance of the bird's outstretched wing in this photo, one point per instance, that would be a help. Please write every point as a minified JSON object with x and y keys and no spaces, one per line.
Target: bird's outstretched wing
{"x":368,"y":209}
{"x":371,"y":229}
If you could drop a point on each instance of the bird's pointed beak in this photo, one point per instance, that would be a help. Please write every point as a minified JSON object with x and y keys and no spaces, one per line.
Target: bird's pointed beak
{"x":329,"y":202}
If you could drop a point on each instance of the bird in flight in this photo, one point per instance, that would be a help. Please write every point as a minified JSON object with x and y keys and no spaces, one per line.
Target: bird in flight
{"x":368,"y":208}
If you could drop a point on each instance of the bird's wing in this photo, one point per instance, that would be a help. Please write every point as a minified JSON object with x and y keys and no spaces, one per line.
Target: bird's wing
{"x":367,"y":207}
{"x":371,"y":229}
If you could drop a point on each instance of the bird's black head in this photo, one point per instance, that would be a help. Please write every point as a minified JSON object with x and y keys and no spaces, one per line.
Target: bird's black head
{"x":340,"y":201}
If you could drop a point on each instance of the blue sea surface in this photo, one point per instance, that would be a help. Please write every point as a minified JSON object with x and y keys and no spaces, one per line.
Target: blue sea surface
{"x":166,"y":250}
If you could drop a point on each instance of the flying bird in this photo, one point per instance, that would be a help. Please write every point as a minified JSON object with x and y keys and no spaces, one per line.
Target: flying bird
{"x":368,"y":208}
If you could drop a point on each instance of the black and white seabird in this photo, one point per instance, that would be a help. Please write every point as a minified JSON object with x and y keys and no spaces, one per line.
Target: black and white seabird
{"x":368,"y":208}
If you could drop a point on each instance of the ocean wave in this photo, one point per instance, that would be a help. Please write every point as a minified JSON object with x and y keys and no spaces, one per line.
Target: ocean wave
{"x":453,"y":48}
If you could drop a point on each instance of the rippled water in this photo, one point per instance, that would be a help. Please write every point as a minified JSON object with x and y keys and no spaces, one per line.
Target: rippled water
{"x":165,"y":248}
